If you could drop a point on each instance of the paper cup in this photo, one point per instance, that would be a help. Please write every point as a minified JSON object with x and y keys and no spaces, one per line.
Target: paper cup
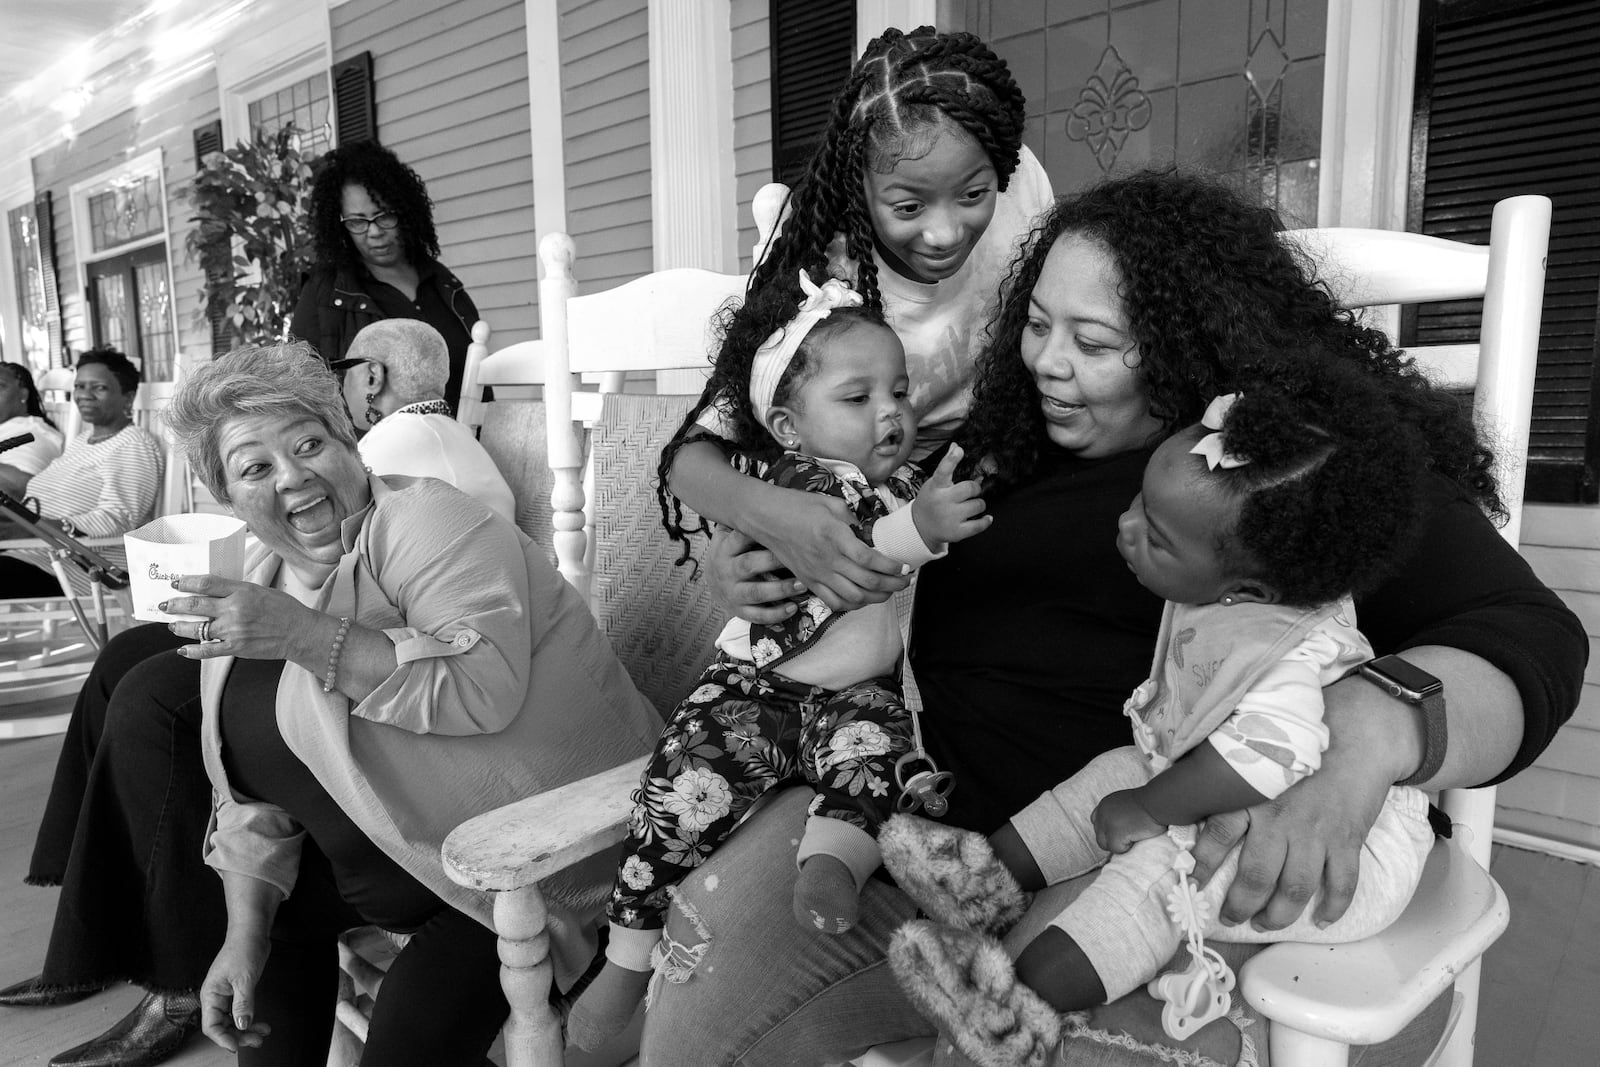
{"x":175,"y":546}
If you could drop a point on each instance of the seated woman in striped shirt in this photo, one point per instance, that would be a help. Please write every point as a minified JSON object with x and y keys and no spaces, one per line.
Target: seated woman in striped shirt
{"x":106,"y":481}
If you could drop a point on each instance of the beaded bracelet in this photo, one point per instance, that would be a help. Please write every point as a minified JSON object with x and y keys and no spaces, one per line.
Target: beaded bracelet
{"x":333,"y":654}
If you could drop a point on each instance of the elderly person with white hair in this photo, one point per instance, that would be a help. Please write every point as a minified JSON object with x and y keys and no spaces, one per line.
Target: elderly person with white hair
{"x":396,"y":660}
{"x":394,"y":381}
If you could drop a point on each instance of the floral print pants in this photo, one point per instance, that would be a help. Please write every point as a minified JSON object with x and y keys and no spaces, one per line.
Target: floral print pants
{"x":742,"y":732}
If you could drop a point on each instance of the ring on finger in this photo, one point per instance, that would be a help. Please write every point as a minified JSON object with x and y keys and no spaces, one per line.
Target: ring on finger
{"x":203,"y":632}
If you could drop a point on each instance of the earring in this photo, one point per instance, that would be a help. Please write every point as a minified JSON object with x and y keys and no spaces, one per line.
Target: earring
{"x":374,"y":416}
{"x":1227,"y":600}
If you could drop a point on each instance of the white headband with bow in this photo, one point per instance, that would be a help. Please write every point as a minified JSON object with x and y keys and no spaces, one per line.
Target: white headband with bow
{"x":776,"y":352}
{"x":1212,"y":446}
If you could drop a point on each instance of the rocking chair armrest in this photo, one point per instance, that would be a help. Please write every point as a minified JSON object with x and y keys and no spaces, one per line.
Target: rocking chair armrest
{"x":1365,"y":992}
{"x":519,"y":844}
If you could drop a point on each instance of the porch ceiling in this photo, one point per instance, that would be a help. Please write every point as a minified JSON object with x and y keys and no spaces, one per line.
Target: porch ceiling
{"x":36,"y":35}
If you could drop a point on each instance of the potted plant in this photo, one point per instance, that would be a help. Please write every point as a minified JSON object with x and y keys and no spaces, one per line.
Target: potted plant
{"x":251,"y":235}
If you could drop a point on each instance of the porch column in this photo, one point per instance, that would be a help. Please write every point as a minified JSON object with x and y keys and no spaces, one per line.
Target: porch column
{"x":549,"y":155}
{"x":693,"y":201}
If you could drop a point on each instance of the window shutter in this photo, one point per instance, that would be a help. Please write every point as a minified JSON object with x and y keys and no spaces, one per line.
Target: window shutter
{"x":813,"y":48}
{"x":207,"y":139}
{"x":355,"y":111}
{"x":1508,"y":103}
{"x":44,"y":217}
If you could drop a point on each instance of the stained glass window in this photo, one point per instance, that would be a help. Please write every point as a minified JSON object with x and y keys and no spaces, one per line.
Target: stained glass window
{"x":127,"y":211}
{"x":1113,"y":85}
{"x":29,"y":274}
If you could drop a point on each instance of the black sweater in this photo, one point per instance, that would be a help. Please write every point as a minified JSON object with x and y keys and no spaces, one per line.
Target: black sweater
{"x":1030,"y":636}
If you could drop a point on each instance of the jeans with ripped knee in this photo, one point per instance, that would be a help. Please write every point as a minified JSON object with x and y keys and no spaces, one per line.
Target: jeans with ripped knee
{"x":766,"y":993}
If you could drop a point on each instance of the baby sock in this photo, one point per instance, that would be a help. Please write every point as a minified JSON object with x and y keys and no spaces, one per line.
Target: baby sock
{"x":605,"y":1008}
{"x":825,"y":895}
{"x":836,"y":858}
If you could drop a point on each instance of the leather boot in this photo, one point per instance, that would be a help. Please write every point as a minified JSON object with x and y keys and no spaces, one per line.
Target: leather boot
{"x":32,"y":993}
{"x":157,"y":1027}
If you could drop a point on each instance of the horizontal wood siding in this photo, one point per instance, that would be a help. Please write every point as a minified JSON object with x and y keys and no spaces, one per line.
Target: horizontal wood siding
{"x":451,"y":85}
{"x":166,"y":122}
{"x":605,"y":91}
{"x":1559,"y":796}
{"x":752,"y":113}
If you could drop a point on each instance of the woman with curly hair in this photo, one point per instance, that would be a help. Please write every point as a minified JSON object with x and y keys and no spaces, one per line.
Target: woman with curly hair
{"x":1256,"y":525}
{"x":918,"y":194}
{"x":1134,"y":304}
{"x":378,"y":258}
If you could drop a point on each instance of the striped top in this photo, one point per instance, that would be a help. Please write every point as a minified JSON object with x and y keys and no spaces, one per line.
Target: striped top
{"x":103,"y":489}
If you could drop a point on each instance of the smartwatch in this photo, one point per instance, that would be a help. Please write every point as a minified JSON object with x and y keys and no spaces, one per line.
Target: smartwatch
{"x":1406,"y":681}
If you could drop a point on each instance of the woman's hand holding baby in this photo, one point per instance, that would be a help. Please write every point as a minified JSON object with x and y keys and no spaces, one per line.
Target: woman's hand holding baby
{"x":812,"y":535}
{"x":946,"y":510}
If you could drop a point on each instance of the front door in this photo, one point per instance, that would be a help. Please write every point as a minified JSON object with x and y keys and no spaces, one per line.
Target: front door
{"x":130,"y":308}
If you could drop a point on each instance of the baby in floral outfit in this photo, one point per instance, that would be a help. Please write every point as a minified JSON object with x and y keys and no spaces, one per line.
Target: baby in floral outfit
{"x":814,"y":700}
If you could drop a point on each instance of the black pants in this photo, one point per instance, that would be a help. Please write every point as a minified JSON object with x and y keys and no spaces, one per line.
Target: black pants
{"x":123,"y":827}
{"x":441,"y":1003}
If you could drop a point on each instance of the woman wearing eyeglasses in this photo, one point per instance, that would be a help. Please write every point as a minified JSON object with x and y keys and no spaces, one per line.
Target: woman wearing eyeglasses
{"x":378,"y":258}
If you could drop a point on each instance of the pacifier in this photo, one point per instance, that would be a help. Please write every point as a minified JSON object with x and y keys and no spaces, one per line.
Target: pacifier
{"x":928,"y":789}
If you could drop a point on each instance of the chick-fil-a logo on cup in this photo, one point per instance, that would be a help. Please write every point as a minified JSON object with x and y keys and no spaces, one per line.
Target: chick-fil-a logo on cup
{"x":178,"y":545}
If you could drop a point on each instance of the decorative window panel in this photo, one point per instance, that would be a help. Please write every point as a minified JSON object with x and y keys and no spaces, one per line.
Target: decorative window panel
{"x":305,"y":103}
{"x":28,"y":270}
{"x":1112,"y":85}
{"x":126,"y":212}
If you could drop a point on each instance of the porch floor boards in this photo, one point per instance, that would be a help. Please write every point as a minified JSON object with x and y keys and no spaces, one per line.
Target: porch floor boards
{"x":1538,"y":1007}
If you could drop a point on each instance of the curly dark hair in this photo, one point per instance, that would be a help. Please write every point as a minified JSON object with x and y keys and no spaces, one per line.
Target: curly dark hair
{"x":390,"y":183}
{"x":904,"y":86}
{"x":1329,"y":493}
{"x":120,"y":367}
{"x":1207,"y":283}
{"x":30,"y":390}
{"x":741,"y":329}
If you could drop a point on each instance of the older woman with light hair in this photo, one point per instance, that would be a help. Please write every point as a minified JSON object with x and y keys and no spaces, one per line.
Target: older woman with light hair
{"x":394,"y":378}
{"x":396,"y":660}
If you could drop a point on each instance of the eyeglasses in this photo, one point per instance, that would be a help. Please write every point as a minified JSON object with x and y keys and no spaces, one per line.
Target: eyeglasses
{"x":358,"y":224}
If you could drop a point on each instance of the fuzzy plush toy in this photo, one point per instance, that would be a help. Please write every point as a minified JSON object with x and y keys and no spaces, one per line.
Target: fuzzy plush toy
{"x":964,"y":981}
{"x":952,"y":874}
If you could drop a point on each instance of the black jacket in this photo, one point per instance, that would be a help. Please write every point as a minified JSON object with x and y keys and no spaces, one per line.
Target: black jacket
{"x":335,"y":304}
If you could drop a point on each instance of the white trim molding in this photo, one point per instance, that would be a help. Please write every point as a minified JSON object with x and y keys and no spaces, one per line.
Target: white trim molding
{"x":693,"y":198}
{"x":1368,"y":85}
{"x":251,"y":64}
{"x":147,"y":164}
{"x":875,"y":16}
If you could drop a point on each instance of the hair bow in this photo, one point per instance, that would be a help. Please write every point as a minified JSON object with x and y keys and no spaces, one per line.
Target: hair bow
{"x":1212,"y":446}
{"x":775,"y":353}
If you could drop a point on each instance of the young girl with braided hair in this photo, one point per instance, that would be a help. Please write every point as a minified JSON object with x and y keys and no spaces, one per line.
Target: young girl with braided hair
{"x":918,"y":195}
{"x":815,"y":700}
{"x":1256,"y":525}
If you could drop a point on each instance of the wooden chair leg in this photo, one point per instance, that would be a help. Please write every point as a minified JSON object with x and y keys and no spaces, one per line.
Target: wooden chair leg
{"x":533,"y":1032}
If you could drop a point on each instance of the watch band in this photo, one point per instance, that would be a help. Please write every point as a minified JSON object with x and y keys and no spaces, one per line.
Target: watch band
{"x":1435,"y":739}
